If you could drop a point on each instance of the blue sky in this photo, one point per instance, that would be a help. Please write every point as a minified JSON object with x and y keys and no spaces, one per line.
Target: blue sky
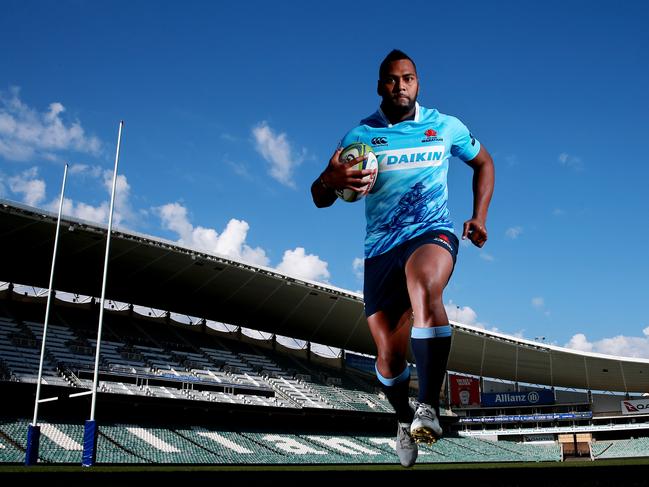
{"x":232,"y":110}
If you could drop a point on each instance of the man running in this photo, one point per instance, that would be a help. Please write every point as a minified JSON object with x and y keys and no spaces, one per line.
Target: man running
{"x":410,"y":247}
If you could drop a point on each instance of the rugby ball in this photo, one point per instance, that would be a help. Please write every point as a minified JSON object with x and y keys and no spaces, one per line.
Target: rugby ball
{"x":350,"y":152}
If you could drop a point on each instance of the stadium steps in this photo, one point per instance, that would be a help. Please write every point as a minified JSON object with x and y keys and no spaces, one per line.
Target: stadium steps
{"x":161,"y":445}
{"x":350,"y":450}
{"x":233,"y":447}
{"x":10,"y":450}
{"x":10,"y":453}
{"x":190,"y":438}
{"x":60,"y":442}
{"x":293,"y":449}
{"x":109,"y":451}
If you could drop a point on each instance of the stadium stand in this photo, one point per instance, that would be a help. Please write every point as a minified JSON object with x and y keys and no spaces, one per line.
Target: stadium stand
{"x":154,"y":371}
{"x":637,"y":447}
{"x":135,"y":443}
{"x":136,"y":360}
{"x":149,"y":358}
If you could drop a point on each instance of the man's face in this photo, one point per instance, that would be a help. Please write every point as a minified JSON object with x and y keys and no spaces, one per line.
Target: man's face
{"x":399,"y":86}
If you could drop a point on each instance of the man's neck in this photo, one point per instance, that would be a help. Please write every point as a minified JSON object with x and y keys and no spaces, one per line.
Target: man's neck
{"x":396,"y":116}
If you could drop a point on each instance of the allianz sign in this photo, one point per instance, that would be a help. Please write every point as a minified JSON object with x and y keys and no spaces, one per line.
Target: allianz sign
{"x":517,"y":398}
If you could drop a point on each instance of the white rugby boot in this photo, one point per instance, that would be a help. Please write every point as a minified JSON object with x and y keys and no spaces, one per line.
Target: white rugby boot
{"x":425,"y":427}
{"x":407,"y":450}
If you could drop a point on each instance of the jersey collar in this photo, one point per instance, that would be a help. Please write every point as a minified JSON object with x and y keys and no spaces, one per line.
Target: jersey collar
{"x":387,"y":122}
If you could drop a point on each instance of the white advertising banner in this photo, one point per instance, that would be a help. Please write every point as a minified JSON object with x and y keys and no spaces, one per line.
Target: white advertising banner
{"x":636,"y":406}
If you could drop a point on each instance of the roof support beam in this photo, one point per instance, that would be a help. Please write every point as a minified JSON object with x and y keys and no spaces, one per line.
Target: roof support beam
{"x":551,"y":370}
{"x":516,"y":365}
{"x":484,"y":346}
{"x":623,"y":377}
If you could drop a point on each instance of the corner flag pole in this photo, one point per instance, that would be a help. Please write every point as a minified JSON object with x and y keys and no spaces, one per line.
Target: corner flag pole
{"x":90,"y":428}
{"x":33,"y":430}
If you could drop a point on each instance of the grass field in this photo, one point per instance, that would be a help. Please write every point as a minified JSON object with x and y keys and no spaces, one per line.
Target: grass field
{"x":632,"y":472}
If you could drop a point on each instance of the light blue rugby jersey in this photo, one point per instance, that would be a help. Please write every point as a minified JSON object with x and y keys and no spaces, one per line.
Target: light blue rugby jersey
{"x":410,"y":195}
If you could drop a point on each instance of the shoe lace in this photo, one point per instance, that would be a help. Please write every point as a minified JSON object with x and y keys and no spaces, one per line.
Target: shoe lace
{"x":404,"y":435}
{"x":424,"y":410}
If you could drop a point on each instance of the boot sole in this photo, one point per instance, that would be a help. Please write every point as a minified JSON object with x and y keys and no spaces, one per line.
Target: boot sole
{"x":424,"y":435}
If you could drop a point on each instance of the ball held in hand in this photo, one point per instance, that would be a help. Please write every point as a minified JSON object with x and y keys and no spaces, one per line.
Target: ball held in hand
{"x":353,"y":151}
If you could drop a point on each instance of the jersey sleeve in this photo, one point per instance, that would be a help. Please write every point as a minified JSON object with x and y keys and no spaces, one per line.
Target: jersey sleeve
{"x":465,"y":145}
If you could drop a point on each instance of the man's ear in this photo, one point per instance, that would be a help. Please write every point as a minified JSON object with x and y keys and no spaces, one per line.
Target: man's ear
{"x":378,"y":88}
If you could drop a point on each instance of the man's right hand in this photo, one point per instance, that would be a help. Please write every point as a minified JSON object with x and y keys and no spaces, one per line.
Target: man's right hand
{"x":340,"y":175}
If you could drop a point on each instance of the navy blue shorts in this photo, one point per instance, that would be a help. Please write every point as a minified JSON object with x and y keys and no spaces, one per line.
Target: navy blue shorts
{"x":385,"y":287}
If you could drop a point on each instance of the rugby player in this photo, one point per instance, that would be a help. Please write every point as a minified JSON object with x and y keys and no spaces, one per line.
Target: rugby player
{"x":410,"y":245}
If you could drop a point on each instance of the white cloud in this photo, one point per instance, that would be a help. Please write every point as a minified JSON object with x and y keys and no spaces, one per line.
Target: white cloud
{"x":570,"y":161}
{"x":229,"y":137}
{"x":85,"y":170}
{"x":485,"y":256}
{"x":307,"y":266}
{"x":468,"y":316}
{"x":33,"y":191}
{"x":231,"y":242}
{"x":26,"y":133}
{"x":620,"y":345}
{"x":580,"y":342}
{"x":29,"y":185}
{"x":538,"y":302}
{"x":123,"y":211}
{"x":77,"y":209}
{"x":358,"y":265}
{"x":277,"y":150}
{"x":514,"y":232}
{"x":463,"y":314}
{"x":239,"y":168}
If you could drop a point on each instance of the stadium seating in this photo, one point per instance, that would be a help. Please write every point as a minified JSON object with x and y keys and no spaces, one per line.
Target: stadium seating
{"x":170,"y":362}
{"x":132,"y":354}
{"x":135,"y":443}
{"x":620,"y":448}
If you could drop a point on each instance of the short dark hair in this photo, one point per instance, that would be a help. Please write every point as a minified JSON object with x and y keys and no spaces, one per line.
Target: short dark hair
{"x":394,"y":55}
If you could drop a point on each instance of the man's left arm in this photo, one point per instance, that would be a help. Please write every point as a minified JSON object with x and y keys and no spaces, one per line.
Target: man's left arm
{"x":475,"y":229}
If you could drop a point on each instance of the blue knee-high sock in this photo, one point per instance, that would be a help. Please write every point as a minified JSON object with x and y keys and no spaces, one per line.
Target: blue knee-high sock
{"x":396,"y":390}
{"x":431,"y":347}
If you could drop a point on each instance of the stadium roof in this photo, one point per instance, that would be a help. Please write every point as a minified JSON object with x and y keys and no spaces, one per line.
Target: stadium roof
{"x":149,"y":271}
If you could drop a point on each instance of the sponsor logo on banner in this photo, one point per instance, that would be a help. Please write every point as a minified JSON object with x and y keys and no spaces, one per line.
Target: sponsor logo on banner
{"x":465,"y":391}
{"x":638,"y":406}
{"x":517,"y":398}
{"x":528,"y":418}
{"x":394,"y":160}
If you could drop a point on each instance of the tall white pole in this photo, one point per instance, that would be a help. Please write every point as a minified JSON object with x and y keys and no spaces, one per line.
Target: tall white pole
{"x":49,"y":300}
{"x":103,"y":286}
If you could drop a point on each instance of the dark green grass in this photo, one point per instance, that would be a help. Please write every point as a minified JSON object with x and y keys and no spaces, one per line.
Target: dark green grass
{"x":626,"y":462}
{"x":603,"y":473}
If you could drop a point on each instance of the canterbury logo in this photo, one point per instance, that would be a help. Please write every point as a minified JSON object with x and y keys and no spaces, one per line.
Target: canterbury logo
{"x":379,"y":140}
